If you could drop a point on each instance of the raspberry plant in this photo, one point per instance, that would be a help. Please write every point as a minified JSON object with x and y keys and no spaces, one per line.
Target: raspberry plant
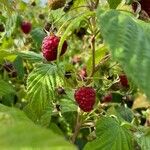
{"x":75,"y":74}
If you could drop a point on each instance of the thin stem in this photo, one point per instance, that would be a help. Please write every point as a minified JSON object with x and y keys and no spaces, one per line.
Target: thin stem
{"x":77,"y":127}
{"x":93,"y":55}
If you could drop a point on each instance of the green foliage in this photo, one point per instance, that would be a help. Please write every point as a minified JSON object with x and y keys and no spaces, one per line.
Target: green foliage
{"x":38,"y":35}
{"x":110,"y":135}
{"x":6,"y":88}
{"x":114,"y":3}
{"x":6,"y":55}
{"x":30,"y":56}
{"x":122,"y":112}
{"x":128,"y":41}
{"x":18,"y":63}
{"x":143,"y":139}
{"x":72,"y":26}
{"x":15,"y":126}
{"x":41,"y":86}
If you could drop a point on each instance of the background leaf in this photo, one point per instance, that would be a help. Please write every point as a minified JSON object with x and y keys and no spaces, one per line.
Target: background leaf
{"x":5,"y":88}
{"x":19,"y":128}
{"x":128,"y":40}
{"x":110,"y":136}
{"x":113,"y":3}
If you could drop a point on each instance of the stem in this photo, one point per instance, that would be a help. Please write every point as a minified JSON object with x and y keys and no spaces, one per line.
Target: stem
{"x":93,"y":55}
{"x":77,"y":127}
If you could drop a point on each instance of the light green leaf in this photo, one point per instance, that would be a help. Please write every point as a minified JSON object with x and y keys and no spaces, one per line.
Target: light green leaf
{"x":41,"y":86}
{"x":143,"y":140}
{"x":72,"y":26}
{"x":110,"y":136}
{"x":128,"y":40}
{"x":99,"y":54}
{"x":6,"y":55}
{"x":5,"y":88}
{"x":30,"y":56}
{"x":21,"y":133}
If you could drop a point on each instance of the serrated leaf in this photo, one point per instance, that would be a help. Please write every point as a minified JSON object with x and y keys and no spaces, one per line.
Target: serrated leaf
{"x":128,"y":40}
{"x":67,"y":105}
{"x":5,"y":88}
{"x":30,"y":56}
{"x":113,"y":3}
{"x":15,"y":126}
{"x":110,"y":136}
{"x":41,"y":86}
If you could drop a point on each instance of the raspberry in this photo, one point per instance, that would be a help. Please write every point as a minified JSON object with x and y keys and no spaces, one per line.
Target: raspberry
{"x":85,"y":97}
{"x":145,"y":5}
{"x":124,"y":80}
{"x":49,"y":47}
{"x":55,"y":4}
{"x":26,"y":27}
{"x":107,"y":98}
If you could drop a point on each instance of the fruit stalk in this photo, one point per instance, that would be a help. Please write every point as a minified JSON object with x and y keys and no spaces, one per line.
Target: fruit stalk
{"x":77,"y":127}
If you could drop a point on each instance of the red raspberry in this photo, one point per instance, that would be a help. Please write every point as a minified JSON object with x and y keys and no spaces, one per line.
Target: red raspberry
{"x":26,"y":27}
{"x":50,"y":45}
{"x":85,"y":97}
{"x":145,"y":5}
{"x":124,"y":80}
{"x":107,"y":98}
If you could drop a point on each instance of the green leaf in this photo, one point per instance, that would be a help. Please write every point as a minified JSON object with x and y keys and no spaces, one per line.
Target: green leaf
{"x":30,"y":56}
{"x":5,"y":88}
{"x":143,"y":139}
{"x":110,"y":136}
{"x":18,"y":63}
{"x":6,"y":55}
{"x":67,"y":105}
{"x":41,"y":86}
{"x":38,"y":34}
{"x":72,"y":26}
{"x":128,"y":40}
{"x":99,"y":54}
{"x":122,"y":112}
{"x":21,"y":133}
{"x":113,"y":3}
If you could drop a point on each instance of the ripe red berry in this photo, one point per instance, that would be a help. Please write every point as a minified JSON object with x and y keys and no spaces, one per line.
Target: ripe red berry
{"x":124,"y":80}
{"x":26,"y":27}
{"x":107,"y":98}
{"x":50,"y":46}
{"x":85,"y":97}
